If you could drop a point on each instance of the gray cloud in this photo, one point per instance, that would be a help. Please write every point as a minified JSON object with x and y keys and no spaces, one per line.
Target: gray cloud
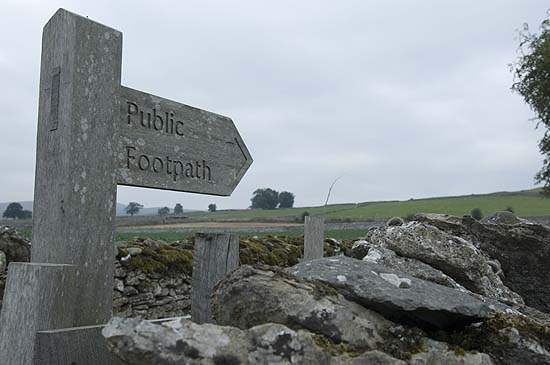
{"x":405,"y":99}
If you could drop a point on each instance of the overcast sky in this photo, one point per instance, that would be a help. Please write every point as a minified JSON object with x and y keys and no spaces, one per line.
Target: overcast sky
{"x":403,"y":98}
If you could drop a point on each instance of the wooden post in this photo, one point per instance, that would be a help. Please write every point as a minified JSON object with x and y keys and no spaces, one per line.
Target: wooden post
{"x":37,"y":297}
{"x":314,"y":237}
{"x":75,"y":183}
{"x":90,"y":139}
{"x":215,"y":255}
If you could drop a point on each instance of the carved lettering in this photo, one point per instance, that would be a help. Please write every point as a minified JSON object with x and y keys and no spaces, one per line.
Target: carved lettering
{"x":175,"y":168}
{"x":132,"y":110}
{"x":54,"y":99}
{"x":154,"y":120}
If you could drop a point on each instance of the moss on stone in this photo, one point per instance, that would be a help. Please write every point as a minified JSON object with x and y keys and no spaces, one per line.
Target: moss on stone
{"x":459,"y":351}
{"x":332,"y":348}
{"x":404,"y":343}
{"x":122,"y":252}
{"x":272,"y":250}
{"x":489,"y":337}
{"x":159,"y":257}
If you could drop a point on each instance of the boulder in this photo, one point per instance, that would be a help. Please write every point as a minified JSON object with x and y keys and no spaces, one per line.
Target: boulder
{"x":380,"y":254}
{"x":395,"y":221}
{"x":15,"y":247}
{"x":509,"y":339}
{"x":522,"y":249}
{"x":181,"y":341}
{"x":397,"y":296}
{"x":3,"y":262}
{"x":454,"y":256}
{"x":251,"y":296}
{"x":437,"y":353}
{"x":503,"y":217}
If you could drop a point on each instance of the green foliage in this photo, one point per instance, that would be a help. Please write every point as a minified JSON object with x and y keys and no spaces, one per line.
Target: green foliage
{"x":133,"y":208}
{"x":164,"y":211}
{"x":532,"y":82}
{"x":409,"y":217}
{"x":304,"y":215}
{"x":509,"y":209}
{"x":212,"y":208}
{"x":286,"y":199}
{"x":476,"y":214}
{"x":266,"y":198}
{"x":15,"y":211}
{"x":25,"y":214}
{"x":178,"y":209}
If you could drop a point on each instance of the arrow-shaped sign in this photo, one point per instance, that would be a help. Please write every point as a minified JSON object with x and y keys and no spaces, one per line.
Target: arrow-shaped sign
{"x":163,"y":144}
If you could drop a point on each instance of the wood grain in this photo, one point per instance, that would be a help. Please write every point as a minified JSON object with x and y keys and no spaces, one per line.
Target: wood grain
{"x":36,"y":297}
{"x":168,"y":145}
{"x":314,"y":237}
{"x":215,"y":255}
{"x":75,"y":185}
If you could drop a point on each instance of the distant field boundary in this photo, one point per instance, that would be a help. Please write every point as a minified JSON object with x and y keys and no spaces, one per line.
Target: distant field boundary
{"x":253,"y":228}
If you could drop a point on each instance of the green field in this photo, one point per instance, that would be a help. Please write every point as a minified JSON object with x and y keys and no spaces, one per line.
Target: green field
{"x":174,"y":236}
{"x":270,"y":213}
{"x":524,"y":203}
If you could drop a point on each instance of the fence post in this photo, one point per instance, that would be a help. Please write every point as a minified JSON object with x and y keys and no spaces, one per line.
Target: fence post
{"x":214,"y":256}
{"x":314,"y":237}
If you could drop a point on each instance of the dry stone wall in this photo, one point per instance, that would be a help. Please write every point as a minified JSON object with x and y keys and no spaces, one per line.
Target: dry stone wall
{"x":152,"y":279}
{"x":150,"y":295}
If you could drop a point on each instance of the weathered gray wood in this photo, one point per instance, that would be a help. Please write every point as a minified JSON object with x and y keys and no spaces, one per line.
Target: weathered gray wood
{"x":314,"y":237}
{"x":82,"y":140}
{"x":75,"y":186}
{"x":168,"y":145}
{"x":78,"y":345}
{"x":37,"y":296}
{"x":215,"y":255}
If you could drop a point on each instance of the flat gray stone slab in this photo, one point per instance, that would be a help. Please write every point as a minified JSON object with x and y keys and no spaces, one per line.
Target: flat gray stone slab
{"x":398,"y":296}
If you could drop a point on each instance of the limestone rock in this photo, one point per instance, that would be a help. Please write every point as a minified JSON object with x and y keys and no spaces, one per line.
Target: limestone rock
{"x":380,"y":254}
{"x":437,"y":353}
{"x":504,"y":217}
{"x":360,"y":249}
{"x":252,"y":296}
{"x":3,"y":262}
{"x":454,"y":256}
{"x":15,"y":247}
{"x":395,"y":221}
{"x":509,"y":339}
{"x":522,"y":249}
{"x":396,"y":295}
{"x":181,"y":341}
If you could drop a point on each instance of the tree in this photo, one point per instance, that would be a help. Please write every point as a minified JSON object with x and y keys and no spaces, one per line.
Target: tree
{"x":164,"y":211}
{"x":265,"y":199}
{"x":532,"y":82}
{"x":178,"y":209}
{"x":133,"y":208}
{"x":286,"y":199}
{"x":476,"y":214}
{"x":212,"y":208}
{"x":13,"y":211}
{"x":25,"y":214}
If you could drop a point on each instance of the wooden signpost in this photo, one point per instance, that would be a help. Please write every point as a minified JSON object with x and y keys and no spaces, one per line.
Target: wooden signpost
{"x":94,"y":133}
